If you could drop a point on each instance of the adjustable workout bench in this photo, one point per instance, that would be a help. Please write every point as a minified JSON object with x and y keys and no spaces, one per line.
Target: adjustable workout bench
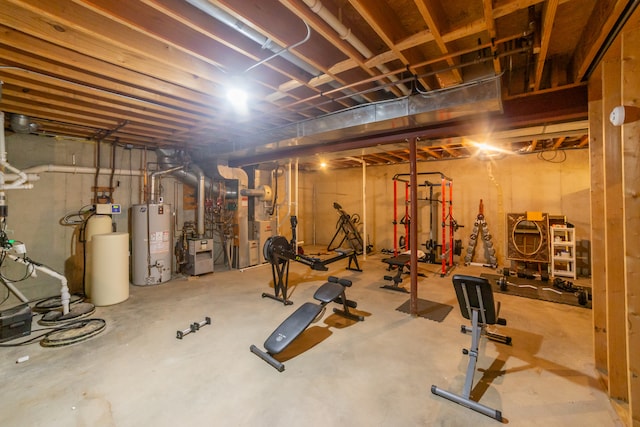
{"x":475,"y":298}
{"x":299,"y":320}
{"x":399,"y":262}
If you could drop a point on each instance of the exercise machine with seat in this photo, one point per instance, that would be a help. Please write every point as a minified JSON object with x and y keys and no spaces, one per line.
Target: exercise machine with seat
{"x":332,"y":291}
{"x":475,"y":298}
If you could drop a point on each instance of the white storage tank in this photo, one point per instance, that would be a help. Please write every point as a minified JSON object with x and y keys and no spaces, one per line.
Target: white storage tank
{"x":96,"y":224}
{"x":151,"y":244}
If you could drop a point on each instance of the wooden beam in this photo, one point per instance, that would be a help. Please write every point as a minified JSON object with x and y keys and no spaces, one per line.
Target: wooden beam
{"x":557,"y":142}
{"x":493,"y":35}
{"x":322,"y":28}
{"x":584,"y":139}
{"x":631,"y":236}
{"x":389,"y":28}
{"x":601,"y":22}
{"x":598,"y":224}
{"x":548,"y":16}
{"x":434,"y":16}
{"x":614,"y":228}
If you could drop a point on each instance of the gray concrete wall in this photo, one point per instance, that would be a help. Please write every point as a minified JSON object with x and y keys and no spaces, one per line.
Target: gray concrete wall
{"x":35,"y":215}
{"x":556,"y":183}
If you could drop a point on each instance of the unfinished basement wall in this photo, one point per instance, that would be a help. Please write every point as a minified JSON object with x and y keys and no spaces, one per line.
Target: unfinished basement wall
{"x":35,"y":215}
{"x":615,"y":207}
{"x":556,"y":183}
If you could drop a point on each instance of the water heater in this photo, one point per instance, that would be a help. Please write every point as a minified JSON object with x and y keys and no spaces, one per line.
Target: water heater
{"x":151,"y":244}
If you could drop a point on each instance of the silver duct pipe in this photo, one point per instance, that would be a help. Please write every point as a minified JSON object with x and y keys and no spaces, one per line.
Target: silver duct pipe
{"x":22,"y":124}
{"x":22,"y":181}
{"x":195,"y":177}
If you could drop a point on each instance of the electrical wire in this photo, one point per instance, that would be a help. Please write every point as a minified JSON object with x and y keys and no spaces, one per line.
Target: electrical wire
{"x":66,"y":220}
{"x":29,"y":269}
{"x":4,"y":299}
{"x":552,"y":159}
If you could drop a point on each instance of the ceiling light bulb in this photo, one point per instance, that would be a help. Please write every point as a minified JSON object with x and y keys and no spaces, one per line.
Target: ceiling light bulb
{"x":237,"y":97}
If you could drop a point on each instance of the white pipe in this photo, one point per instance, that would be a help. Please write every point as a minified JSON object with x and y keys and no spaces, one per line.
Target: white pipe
{"x":287,"y":198}
{"x":296,"y":204}
{"x":80,"y":169}
{"x":152,"y":190}
{"x":30,"y":177}
{"x":65,"y":296}
{"x":364,"y":210}
{"x":201,"y":189}
{"x":345,"y":33}
{"x":364,"y":205}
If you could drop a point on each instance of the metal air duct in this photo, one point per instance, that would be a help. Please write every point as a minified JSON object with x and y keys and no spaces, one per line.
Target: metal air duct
{"x":22,"y":124}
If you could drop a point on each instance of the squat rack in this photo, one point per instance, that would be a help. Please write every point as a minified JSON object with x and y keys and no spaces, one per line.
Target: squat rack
{"x":448,"y":224}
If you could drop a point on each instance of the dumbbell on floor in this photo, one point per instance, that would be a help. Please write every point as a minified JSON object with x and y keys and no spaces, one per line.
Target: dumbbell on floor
{"x":181,"y":334}
{"x":198,"y":325}
{"x":194,"y":327}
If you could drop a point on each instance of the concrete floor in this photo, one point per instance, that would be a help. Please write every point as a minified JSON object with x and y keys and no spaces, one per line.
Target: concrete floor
{"x":373,"y":373}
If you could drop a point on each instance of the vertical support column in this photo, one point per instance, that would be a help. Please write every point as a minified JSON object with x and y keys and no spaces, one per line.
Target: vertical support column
{"x":395,"y":217}
{"x":598,"y":222}
{"x":451,"y":230}
{"x":443,"y":246}
{"x":407,"y":217}
{"x":614,"y":251}
{"x":631,"y":212}
{"x":365,"y":242}
{"x":413,"y":231}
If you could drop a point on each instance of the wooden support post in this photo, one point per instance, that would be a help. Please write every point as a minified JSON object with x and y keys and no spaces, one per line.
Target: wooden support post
{"x":598,"y":223}
{"x":631,"y":214}
{"x":614,"y":229}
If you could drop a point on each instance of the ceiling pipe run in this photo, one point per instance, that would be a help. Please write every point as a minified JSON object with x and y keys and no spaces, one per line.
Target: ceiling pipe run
{"x":345,"y":33}
{"x":264,"y":42}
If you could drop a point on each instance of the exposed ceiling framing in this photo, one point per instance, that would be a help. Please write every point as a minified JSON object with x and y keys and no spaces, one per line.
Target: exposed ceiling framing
{"x":154,"y":73}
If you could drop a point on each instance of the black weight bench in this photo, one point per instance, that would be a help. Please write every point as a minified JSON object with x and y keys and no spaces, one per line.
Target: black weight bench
{"x":475,"y":298}
{"x":399,"y":262}
{"x":332,"y":291}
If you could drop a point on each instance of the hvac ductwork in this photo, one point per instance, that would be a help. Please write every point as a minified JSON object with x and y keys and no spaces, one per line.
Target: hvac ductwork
{"x":22,"y":124}
{"x":415,"y":111}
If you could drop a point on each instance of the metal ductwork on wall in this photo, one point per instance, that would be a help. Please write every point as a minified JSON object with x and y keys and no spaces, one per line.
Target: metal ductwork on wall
{"x":22,"y":124}
{"x":225,"y":183}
